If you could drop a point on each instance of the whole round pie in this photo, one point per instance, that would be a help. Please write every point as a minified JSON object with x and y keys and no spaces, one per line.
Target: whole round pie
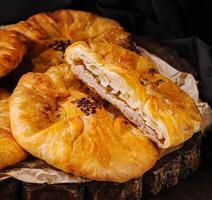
{"x":70,"y":128}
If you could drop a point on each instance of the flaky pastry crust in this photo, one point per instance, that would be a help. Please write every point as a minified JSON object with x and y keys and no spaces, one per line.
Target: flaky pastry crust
{"x":133,"y":84}
{"x":12,"y":50}
{"x":10,"y":151}
{"x":52,"y":31}
{"x":56,"y":119}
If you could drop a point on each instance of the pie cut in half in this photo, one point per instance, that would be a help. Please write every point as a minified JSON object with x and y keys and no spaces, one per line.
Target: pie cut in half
{"x":52,"y":32}
{"x":10,"y":151}
{"x":132,"y":83}
{"x":55,"y":118}
{"x":12,"y":50}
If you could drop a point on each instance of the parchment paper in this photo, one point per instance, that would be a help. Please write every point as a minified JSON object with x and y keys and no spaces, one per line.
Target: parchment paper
{"x":34,"y":170}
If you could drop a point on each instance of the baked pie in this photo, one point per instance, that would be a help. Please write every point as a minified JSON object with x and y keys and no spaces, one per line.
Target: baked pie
{"x":10,"y":151}
{"x":12,"y":51}
{"x":50,"y":33}
{"x":133,"y":84}
{"x":56,"y":118}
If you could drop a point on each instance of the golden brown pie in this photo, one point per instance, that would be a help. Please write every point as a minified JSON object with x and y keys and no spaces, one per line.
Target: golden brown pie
{"x":12,"y":50}
{"x":10,"y":151}
{"x":56,"y":119}
{"x":52,"y":32}
{"x":133,"y":84}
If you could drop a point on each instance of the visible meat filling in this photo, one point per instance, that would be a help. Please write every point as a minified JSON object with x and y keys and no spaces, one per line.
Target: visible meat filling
{"x":133,"y":113}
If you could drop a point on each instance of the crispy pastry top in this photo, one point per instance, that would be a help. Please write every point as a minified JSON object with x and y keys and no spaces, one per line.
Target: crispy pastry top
{"x":51,"y":32}
{"x":10,"y":151}
{"x":154,"y":95}
{"x":12,"y":50}
{"x":73,"y":25}
{"x":68,"y":127}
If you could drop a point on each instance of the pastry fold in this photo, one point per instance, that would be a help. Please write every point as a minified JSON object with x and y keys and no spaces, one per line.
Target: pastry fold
{"x":57,"y":119}
{"x":10,"y":151}
{"x":71,"y":24}
{"x":51,"y":32}
{"x":132,"y":83}
{"x":12,"y":50}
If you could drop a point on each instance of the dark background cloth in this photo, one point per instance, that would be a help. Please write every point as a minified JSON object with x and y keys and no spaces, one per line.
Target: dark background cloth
{"x":183,"y":25}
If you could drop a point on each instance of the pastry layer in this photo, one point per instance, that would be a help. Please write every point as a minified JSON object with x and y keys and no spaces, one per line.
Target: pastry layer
{"x":12,"y":50}
{"x":51,"y":32}
{"x":132,"y":83}
{"x":72,"y":129}
{"x":10,"y":151}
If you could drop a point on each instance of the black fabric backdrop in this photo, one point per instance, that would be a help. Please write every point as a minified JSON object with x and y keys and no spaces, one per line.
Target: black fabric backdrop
{"x":181,"y":24}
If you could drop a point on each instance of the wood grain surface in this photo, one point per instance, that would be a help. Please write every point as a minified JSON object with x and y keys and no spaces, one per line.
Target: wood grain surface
{"x":198,"y":186}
